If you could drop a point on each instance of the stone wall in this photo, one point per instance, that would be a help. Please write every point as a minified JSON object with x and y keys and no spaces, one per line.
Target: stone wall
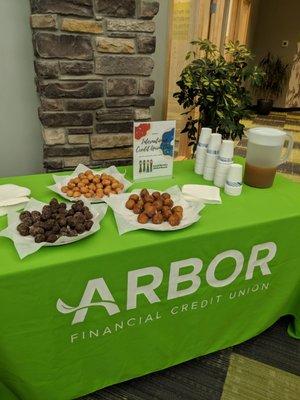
{"x":93,"y":62}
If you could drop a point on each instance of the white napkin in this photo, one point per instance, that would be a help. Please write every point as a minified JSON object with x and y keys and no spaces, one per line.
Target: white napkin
{"x":12,"y":198}
{"x":208,"y":194}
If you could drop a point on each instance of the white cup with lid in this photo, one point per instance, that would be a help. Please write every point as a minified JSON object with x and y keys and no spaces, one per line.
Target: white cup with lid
{"x":204,"y":137}
{"x":201,"y":149}
{"x":210,"y":161}
{"x":233,"y":184}
{"x":212,"y":156}
{"x":226,"y":151}
{"x":200,"y":160}
{"x":221,"y":176}
{"x":222,"y":167}
{"x":219,"y":180}
{"x":214,"y":143}
{"x":209,"y":173}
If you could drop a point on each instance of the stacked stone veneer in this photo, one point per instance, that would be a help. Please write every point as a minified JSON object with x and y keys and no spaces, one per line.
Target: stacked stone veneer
{"x":93,"y":62}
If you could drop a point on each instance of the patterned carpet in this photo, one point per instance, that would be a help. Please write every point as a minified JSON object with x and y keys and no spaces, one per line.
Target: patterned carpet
{"x":266,"y":367}
{"x":289,"y":122}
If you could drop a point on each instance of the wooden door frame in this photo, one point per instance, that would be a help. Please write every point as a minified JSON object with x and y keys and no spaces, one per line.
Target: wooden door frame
{"x":239,"y":17}
{"x":168,"y":61}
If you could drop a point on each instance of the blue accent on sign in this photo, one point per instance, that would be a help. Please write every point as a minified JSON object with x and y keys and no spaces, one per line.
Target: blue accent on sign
{"x":166,"y":146}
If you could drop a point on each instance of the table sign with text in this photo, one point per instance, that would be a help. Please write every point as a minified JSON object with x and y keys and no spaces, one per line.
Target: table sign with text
{"x":153,"y":149}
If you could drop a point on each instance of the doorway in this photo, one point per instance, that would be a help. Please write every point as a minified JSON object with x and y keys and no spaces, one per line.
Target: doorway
{"x":217,"y":20}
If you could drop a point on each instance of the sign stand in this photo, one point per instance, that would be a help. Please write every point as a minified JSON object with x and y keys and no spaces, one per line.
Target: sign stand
{"x":153,"y":149}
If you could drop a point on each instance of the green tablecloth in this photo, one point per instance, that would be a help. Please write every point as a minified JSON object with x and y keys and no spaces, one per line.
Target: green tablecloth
{"x":153,"y":307}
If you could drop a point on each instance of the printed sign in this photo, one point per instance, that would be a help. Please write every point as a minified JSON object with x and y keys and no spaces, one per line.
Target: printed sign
{"x":153,"y":149}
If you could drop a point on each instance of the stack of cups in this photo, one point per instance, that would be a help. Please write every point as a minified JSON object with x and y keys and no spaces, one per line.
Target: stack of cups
{"x":212,"y":156}
{"x":223,"y":163}
{"x":201,"y":150}
{"x":233,"y":184}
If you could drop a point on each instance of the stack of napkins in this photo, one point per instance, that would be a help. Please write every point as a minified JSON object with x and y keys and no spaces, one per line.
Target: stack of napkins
{"x":208,"y":194}
{"x":12,"y":198}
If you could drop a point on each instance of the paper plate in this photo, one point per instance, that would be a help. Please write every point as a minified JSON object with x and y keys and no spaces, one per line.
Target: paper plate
{"x":61,"y":181}
{"x":11,"y":205}
{"x":127,"y":221}
{"x":26,"y":245}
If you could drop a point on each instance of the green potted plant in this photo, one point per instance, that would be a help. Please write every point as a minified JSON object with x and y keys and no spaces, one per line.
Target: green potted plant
{"x":215,"y":84}
{"x":275,"y":77}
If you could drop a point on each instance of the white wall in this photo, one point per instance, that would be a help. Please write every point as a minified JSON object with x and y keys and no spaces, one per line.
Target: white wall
{"x":161,"y":59}
{"x":20,"y":130}
{"x":277,"y":20}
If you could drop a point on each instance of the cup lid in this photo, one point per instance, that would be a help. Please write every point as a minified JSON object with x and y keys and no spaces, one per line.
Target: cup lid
{"x":266,"y":136}
{"x":226,"y":150}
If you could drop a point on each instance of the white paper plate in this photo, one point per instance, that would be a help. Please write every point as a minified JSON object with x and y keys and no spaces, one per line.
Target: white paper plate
{"x":127,"y":221}
{"x":61,"y":181}
{"x":26,"y":245}
{"x":13,"y":207}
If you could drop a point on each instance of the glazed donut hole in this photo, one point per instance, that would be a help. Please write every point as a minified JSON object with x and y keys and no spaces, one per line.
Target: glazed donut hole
{"x":55,"y":220}
{"x":174,"y":220}
{"x":143,"y":218}
{"x":156,"y":208}
{"x":134,"y":197}
{"x":130,"y":203}
{"x":91,"y":185}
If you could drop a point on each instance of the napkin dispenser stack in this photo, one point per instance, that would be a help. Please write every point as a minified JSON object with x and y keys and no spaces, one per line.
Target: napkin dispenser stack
{"x":12,"y":198}
{"x":214,"y":159}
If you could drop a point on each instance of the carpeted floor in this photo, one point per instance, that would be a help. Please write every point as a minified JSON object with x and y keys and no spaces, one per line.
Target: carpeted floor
{"x":266,"y":367}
